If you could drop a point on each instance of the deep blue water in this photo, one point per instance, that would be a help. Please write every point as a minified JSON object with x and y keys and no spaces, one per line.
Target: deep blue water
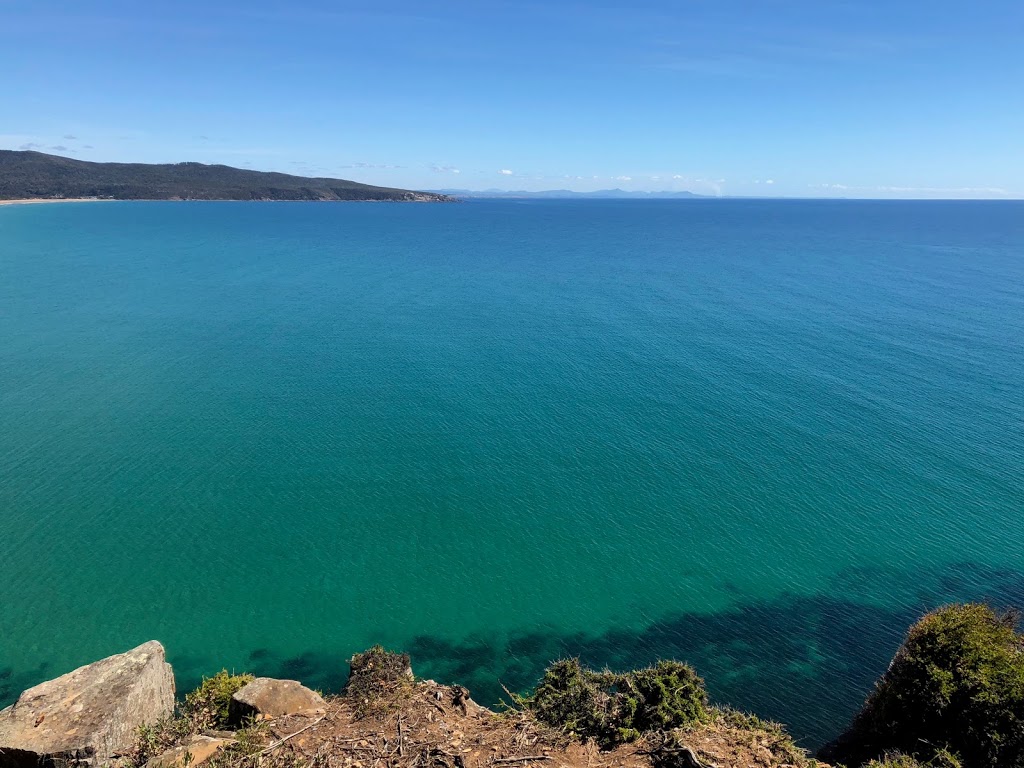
{"x":762,"y":436}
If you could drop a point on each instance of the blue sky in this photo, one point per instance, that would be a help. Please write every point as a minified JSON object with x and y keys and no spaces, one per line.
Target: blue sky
{"x":858,"y":98}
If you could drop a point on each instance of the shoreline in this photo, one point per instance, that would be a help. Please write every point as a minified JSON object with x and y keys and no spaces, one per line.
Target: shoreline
{"x":35,"y":200}
{"x":420,"y":198}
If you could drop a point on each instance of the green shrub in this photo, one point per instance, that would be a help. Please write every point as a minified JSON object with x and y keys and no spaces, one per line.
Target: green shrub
{"x":956,"y":686}
{"x":664,"y":696}
{"x":207,"y":706}
{"x":614,"y":708}
{"x":574,"y":699}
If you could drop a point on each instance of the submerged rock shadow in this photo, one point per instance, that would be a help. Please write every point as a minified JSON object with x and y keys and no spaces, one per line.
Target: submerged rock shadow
{"x":806,"y":661}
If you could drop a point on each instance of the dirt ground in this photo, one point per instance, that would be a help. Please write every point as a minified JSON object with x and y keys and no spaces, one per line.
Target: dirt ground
{"x":437,"y":726}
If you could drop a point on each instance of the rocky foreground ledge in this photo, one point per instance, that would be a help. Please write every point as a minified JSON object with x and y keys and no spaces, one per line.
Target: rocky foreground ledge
{"x":953,"y":697}
{"x":120,"y":711}
{"x":90,"y":714}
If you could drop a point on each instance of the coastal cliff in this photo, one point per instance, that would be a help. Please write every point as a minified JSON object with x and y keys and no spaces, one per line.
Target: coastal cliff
{"x":36,"y":175}
{"x":953,"y":697}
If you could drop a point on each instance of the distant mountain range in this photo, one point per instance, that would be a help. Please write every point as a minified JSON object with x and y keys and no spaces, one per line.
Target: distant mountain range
{"x":38,"y":175}
{"x":568,"y":194}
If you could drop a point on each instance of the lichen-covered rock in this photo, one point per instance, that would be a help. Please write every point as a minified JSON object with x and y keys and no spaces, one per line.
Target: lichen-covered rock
{"x":274,"y":698}
{"x":89,"y":715}
{"x":198,"y":748}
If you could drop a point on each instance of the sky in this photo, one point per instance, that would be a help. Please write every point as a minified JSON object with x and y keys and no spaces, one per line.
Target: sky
{"x":802,"y":98}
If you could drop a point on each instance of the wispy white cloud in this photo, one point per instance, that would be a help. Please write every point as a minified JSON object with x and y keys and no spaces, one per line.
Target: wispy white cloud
{"x":505,"y":172}
{"x":623,"y":178}
{"x":444,"y":169}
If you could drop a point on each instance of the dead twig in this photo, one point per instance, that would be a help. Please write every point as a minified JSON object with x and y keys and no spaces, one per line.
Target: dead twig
{"x":279,"y":742}
{"x":523,"y":759}
{"x":689,"y":757}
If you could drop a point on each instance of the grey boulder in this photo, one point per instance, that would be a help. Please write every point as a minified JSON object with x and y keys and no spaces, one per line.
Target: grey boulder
{"x":91,"y":715}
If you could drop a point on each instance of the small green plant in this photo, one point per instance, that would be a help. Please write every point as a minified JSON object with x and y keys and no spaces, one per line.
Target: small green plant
{"x":154,"y":738}
{"x":207,"y":706}
{"x":955,"y":687}
{"x":250,"y":740}
{"x":614,"y":708}
{"x":149,"y":743}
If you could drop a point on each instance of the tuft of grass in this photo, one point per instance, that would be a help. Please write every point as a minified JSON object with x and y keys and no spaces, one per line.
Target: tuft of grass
{"x":153,"y":739}
{"x":249,"y":741}
{"x":614,"y":708}
{"x":955,"y":687}
{"x":379,"y":681}
{"x":942,"y":759}
{"x":895,"y":761}
{"x":204,"y":708}
{"x":207,"y":706}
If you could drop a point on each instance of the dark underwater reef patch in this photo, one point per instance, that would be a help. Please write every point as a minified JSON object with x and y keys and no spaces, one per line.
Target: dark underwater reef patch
{"x":806,"y":661}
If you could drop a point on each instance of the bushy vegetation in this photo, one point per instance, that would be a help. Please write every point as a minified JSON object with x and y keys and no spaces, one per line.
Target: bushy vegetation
{"x":207,"y":706}
{"x":204,"y":708}
{"x":378,"y":681}
{"x":955,"y":687}
{"x":612,"y":708}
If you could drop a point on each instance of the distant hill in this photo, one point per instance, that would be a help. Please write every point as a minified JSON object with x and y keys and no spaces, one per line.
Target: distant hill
{"x":35,"y":174}
{"x":568,"y":194}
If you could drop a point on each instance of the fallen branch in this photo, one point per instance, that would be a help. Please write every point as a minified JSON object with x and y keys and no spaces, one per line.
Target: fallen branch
{"x":690,"y":759}
{"x":278,"y":743}
{"x":523,"y":759}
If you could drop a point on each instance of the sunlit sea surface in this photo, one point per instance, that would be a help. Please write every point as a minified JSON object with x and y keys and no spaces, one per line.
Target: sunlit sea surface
{"x":761,"y":436}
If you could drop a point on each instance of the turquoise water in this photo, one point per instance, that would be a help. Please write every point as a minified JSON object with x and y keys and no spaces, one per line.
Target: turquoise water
{"x":760,"y":436}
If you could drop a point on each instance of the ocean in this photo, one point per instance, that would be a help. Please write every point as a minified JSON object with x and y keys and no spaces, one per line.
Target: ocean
{"x":760,"y":436}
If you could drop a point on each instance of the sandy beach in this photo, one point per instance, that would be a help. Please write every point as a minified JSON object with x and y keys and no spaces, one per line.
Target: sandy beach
{"x":31,"y":200}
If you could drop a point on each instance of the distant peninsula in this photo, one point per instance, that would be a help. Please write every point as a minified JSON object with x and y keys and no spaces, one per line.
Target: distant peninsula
{"x":568,"y":194}
{"x":36,"y":175}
